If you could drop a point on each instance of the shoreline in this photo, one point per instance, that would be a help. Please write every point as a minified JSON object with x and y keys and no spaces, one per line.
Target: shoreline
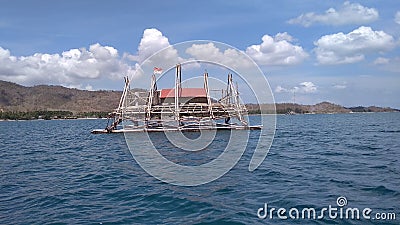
{"x":250,"y":114}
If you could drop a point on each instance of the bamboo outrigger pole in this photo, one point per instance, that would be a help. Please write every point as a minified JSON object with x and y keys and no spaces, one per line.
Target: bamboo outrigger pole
{"x":118,"y":112}
{"x":177,"y":91}
{"x":123,"y":96}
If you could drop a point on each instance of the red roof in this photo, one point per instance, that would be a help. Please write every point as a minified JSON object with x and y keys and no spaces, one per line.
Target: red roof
{"x":185,"y":92}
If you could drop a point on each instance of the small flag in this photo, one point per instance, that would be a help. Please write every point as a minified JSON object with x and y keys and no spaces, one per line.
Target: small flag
{"x":157,"y":70}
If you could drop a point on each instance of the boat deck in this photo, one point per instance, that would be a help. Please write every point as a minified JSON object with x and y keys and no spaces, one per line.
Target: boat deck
{"x":185,"y":129}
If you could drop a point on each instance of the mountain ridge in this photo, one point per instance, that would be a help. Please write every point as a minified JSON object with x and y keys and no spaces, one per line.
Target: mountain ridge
{"x":19,"y":98}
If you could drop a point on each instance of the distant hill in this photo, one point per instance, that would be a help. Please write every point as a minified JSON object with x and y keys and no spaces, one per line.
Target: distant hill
{"x":18,"y":98}
{"x":14,"y":97}
{"x":372,"y":109}
{"x":320,"y":108}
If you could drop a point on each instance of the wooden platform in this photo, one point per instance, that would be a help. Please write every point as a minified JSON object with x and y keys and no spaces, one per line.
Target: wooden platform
{"x":188,"y":129}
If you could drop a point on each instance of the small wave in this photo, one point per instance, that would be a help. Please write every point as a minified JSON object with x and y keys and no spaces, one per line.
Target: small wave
{"x":381,"y":190}
{"x":221,"y":221}
{"x":342,"y":182}
{"x":389,"y":131}
{"x":379,"y":167}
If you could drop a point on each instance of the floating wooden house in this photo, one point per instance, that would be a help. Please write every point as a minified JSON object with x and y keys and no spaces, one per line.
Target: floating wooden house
{"x":178,"y":109}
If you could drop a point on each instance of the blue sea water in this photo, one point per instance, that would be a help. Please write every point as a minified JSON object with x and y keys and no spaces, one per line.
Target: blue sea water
{"x":56,"y":172}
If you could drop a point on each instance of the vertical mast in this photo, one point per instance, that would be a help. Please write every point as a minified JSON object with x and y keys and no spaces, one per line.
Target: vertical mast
{"x":236,"y":99}
{"x":123,"y":96}
{"x":207,"y":88}
{"x":118,"y":113}
{"x":177,"y":90}
{"x":151,"y":97}
{"x":228,"y":91}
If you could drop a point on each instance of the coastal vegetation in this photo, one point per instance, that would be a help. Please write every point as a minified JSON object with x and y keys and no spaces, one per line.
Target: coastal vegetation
{"x":48,"y":115}
{"x":18,"y":102}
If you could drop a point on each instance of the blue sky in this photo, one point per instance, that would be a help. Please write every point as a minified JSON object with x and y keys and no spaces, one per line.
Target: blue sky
{"x":346,"y":52}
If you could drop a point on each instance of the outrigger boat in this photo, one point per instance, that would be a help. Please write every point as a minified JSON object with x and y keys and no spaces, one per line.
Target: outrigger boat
{"x":178,"y":109}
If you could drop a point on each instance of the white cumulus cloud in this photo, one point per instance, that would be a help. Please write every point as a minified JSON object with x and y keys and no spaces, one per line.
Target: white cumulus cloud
{"x":343,"y":48}
{"x":381,"y":61}
{"x":155,"y":50}
{"x":307,"y":87}
{"x":277,"y":50}
{"x":388,"y":64}
{"x":303,"y":87}
{"x":69,"y":68}
{"x":340,"y":86}
{"x":280,"y":89}
{"x":152,"y":41}
{"x":211,"y":52}
{"x":349,"y":13}
{"x":397,"y":17}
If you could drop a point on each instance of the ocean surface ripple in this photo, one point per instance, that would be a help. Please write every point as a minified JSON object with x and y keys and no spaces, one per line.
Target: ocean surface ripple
{"x":56,"y":172}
